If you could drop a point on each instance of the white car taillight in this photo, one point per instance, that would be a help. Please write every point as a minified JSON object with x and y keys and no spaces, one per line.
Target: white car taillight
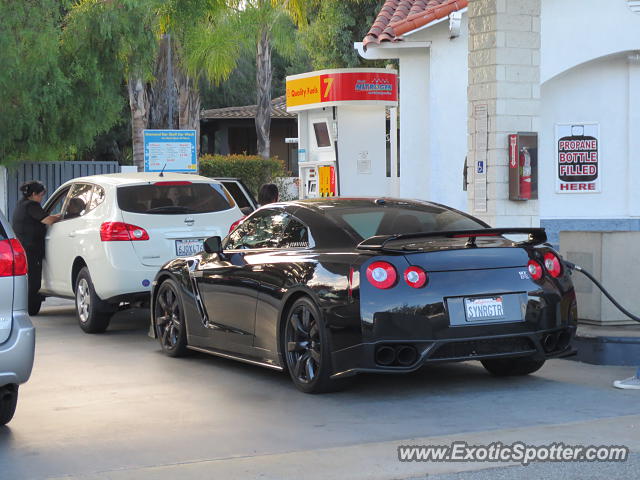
{"x":119,"y":232}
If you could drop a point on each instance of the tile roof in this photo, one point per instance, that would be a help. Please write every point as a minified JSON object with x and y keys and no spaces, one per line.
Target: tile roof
{"x":278,"y":110}
{"x":398,"y":17}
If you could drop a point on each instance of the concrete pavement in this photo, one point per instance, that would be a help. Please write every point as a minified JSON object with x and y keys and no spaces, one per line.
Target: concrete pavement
{"x":112,"y":406}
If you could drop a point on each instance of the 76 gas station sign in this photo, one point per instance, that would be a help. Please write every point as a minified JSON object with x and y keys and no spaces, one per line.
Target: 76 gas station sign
{"x":327,"y":88}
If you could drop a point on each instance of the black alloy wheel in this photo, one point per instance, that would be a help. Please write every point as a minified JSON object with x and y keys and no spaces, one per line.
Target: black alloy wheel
{"x":169,"y":320}
{"x":307,"y":352}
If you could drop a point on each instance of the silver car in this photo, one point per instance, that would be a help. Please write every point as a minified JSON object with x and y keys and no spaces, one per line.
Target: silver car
{"x":17,"y":335}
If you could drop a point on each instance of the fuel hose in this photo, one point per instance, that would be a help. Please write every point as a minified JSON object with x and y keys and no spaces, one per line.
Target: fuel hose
{"x":578,"y":268}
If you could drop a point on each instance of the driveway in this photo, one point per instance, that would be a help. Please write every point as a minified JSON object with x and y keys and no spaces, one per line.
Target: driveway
{"x":112,"y":406}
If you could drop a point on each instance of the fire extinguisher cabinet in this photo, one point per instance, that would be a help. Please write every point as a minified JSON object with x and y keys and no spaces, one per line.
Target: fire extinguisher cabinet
{"x":523,"y":166}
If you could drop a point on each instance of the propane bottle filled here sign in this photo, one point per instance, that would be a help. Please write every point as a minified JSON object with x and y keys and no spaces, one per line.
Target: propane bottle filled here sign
{"x":578,"y":158}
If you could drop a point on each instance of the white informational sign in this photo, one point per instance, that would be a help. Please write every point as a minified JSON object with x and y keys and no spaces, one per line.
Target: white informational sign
{"x":364,"y":163}
{"x":170,"y":151}
{"x":578,"y":158}
{"x":481,"y":117}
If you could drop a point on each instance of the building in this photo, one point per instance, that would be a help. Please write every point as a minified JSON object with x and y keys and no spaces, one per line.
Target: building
{"x":232,"y":130}
{"x":474,"y":72}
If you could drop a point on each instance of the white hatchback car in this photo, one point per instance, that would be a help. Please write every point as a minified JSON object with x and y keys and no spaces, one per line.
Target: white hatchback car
{"x":117,"y":231}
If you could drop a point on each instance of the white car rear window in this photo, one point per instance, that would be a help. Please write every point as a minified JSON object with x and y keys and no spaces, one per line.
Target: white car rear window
{"x":167,"y":198}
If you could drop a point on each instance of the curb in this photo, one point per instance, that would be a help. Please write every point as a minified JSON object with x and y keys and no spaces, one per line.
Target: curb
{"x":604,"y":350}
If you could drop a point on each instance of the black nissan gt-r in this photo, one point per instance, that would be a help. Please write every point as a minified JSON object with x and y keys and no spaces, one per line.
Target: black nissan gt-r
{"x":328,"y":288}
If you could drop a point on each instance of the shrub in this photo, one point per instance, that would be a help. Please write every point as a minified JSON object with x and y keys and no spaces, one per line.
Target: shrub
{"x":253,"y":170}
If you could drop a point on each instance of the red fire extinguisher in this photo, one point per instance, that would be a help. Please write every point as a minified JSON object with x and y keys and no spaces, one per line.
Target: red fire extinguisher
{"x":525,"y":173}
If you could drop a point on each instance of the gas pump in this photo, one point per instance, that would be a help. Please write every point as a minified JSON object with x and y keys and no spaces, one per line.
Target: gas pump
{"x":342,"y":130}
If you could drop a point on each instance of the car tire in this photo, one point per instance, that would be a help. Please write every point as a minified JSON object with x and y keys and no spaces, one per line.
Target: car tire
{"x":169,"y":320}
{"x":34,"y":306}
{"x":505,"y":367}
{"x":93,"y":314}
{"x":8,"y":402}
{"x":306,"y":349}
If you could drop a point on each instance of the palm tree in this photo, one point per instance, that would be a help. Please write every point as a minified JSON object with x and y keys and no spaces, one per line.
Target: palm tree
{"x":270,"y":31}
{"x":261,"y":25}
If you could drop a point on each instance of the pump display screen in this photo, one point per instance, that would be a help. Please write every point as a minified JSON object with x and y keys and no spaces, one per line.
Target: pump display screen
{"x":322,"y":134}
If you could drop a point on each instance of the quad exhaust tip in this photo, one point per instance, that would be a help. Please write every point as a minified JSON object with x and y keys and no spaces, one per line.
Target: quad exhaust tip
{"x":385,"y":355}
{"x":398,"y":355}
{"x":406,"y":355}
{"x":550,"y":342}
{"x":563,"y":340}
{"x":556,"y":341}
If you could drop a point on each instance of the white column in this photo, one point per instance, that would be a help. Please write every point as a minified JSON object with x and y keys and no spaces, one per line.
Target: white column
{"x":634,"y":136}
{"x":504,"y":98}
{"x":414,"y":128}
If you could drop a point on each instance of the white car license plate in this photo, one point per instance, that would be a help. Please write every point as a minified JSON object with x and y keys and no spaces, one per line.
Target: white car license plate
{"x":486,"y":308}
{"x":186,"y":248}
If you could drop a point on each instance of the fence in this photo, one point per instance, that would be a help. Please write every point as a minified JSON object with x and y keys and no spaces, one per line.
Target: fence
{"x":52,"y":174}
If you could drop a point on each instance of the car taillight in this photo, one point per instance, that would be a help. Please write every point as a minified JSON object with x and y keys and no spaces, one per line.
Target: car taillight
{"x":119,"y":232}
{"x":13,"y":259}
{"x":381,"y":275}
{"x":19,"y":257}
{"x":535,"y":270}
{"x":173,"y":183}
{"x":235,"y":224}
{"x":415,"y":277}
{"x":552,"y":264}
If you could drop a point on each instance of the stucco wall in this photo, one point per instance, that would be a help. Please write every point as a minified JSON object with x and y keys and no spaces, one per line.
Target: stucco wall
{"x":594,"y":92}
{"x":577,"y":31}
{"x":445,"y":127}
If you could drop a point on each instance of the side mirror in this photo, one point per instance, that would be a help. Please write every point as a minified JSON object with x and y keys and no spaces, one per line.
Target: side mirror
{"x":213,"y":245}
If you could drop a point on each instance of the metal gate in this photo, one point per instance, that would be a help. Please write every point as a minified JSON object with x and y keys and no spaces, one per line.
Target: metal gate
{"x":52,"y":174}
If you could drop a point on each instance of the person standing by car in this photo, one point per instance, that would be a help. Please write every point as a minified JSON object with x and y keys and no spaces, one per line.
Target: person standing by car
{"x":268,"y":194}
{"x":30,"y":225}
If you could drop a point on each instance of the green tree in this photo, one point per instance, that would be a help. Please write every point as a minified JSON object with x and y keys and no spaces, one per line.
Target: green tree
{"x":262,"y":25}
{"x":240,"y":87}
{"x":33,"y":86}
{"x":105,"y":44}
{"x":334,"y":26}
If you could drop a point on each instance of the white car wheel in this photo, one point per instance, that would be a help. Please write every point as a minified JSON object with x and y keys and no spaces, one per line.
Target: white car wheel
{"x":93,"y":314}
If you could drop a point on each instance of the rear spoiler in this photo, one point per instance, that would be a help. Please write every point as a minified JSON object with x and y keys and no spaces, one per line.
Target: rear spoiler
{"x":537,"y":236}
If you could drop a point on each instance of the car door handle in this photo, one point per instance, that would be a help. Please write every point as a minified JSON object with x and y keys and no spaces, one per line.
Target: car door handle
{"x":72,"y":234}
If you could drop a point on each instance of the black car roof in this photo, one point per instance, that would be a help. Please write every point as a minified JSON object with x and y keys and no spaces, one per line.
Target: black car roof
{"x":328,"y":233}
{"x":320,"y":203}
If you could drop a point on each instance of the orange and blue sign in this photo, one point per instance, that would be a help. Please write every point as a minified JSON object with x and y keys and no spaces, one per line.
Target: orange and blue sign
{"x":336,"y":87}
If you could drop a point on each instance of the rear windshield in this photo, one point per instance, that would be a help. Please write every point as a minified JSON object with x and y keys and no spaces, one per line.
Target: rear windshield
{"x":390,"y":220}
{"x":174,"y":198}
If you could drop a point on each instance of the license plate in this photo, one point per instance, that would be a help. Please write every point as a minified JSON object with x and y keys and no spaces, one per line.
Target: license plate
{"x":482,"y":309}
{"x":186,"y":248}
